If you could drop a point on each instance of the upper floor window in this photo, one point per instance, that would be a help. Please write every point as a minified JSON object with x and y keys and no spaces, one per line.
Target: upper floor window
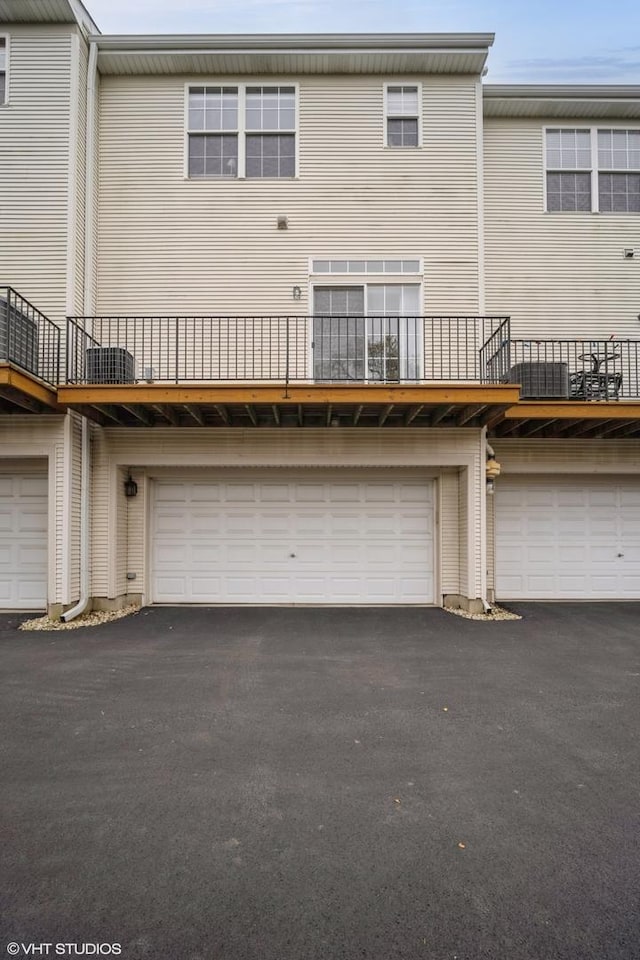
{"x":591,"y":170}
{"x":241,"y":131}
{"x":3,"y":70}
{"x":619,"y":171}
{"x":402,"y":116}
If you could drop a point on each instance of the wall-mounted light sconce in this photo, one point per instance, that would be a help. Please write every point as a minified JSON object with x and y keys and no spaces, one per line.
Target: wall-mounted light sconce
{"x":492,"y":472}
{"x":297,"y":293}
{"x":283,"y":223}
{"x":130,"y":487}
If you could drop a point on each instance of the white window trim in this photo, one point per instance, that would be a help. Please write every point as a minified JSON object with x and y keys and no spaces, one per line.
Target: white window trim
{"x":595,"y":191}
{"x":7,"y":62}
{"x":241,"y":130}
{"x":358,"y":280}
{"x":344,"y":277}
{"x":395,"y":83}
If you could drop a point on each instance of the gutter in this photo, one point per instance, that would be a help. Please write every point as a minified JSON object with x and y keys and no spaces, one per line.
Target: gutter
{"x":291,"y":42}
{"x":85,"y":488}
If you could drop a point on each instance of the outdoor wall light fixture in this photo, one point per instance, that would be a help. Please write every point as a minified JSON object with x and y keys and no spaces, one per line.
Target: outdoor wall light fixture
{"x":130,"y":487}
{"x":283,"y":223}
{"x":493,"y":471}
{"x":297,"y":293}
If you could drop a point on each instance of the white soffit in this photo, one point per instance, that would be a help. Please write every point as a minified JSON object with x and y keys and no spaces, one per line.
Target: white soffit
{"x":292,"y":54}
{"x":47,"y":11}
{"x":575,"y":101}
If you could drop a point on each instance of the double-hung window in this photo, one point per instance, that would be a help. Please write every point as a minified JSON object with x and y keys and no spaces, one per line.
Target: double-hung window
{"x":619,"y":171}
{"x":213,"y":132}
{"x":402,"y":116}
{"x":241,"y":131}
{"x":271,"y":132}
{"x":3,"y":70}
{"x":593,"y":170}
{"x":568,"y":170}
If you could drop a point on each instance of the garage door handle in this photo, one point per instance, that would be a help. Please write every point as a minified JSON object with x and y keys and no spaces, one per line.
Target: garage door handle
{"x":292,"y":554}
{"x":621,"y":554}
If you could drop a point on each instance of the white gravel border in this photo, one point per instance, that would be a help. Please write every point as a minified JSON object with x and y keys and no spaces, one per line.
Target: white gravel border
{"x":497,"y":613}
{"x":93,"y":619}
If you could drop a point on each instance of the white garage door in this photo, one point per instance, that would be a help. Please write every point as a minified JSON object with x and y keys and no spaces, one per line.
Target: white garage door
{"x":293,"y":540}
{"x":23,"y":541}
{"x":570,"y":538}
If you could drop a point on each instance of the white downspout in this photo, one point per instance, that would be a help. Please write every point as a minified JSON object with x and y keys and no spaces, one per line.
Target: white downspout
{"x":85,"y":488}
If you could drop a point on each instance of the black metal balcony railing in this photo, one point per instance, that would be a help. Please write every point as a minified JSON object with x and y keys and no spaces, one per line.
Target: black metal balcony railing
{"x":571,"y":369}
{"x":28,"y":339}
{"x":321,"y":348}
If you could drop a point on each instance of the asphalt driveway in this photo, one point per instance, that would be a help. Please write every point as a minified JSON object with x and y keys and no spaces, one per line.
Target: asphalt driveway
{"x":294,"y":784}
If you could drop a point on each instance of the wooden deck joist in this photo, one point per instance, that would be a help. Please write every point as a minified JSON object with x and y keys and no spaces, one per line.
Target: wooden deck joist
{"x":569,"y":419}
{"x":257,"y":405}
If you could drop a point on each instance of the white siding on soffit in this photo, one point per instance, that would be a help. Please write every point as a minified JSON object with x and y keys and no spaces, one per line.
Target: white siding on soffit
{"x":148,"y":451}
{"x":557,"y":274}
{"x":169,"y":245}
{"x":34,"y":164}
{"x":567,"y":456}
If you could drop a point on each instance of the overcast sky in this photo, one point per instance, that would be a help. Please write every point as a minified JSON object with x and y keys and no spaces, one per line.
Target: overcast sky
{"x":543,"y":41}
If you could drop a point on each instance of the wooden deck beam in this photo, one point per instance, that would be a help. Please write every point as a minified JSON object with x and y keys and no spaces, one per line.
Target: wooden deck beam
{"x":574,"y":410}
{"x":448,"y":395}
{"x":14,"y":382}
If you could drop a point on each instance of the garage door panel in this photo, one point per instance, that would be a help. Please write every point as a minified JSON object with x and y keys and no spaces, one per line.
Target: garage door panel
{"x":24,"y":525}
{"x":352,"y":541}
{"x":568,"y":538}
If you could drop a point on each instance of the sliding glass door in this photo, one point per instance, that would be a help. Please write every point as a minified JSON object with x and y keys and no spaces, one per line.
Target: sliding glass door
{"x":368,"y":333}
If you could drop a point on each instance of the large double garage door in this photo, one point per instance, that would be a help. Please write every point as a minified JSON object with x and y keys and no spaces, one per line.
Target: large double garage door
{"x":307,"y":538}
{"x":568,"y":538}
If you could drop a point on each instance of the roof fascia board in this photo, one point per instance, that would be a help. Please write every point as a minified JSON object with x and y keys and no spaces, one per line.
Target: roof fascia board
{"x":578,"y":92}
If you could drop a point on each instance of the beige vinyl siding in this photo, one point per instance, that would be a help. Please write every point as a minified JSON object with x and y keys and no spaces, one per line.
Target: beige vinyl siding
{"x":174,"y":451}
{"x":101,"y":531}
{"x":559,"y":275}
{"x":449,"y":534}
{"x":121,"y":535}
{"x":567,"y":456}
{"x":34,"y":166}
{"x":29,"y":437}
{"x":136,"y":530}
{"x":464,"y":525}
{"x":169,"y":245}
